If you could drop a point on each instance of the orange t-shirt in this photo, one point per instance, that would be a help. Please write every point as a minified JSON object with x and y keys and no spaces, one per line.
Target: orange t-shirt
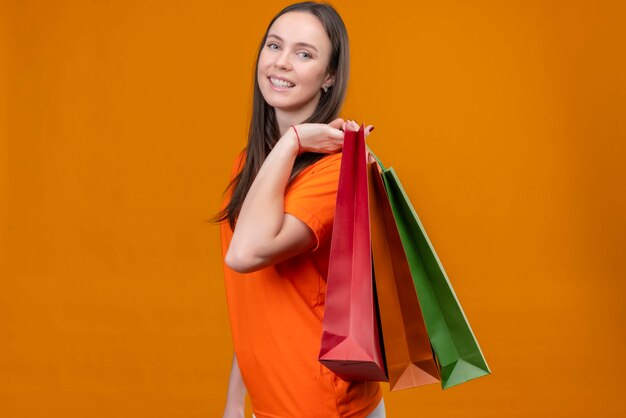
{"x":276,"y":315}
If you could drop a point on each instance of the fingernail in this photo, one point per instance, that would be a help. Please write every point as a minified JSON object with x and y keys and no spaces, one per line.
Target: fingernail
{"x":371,"y":129}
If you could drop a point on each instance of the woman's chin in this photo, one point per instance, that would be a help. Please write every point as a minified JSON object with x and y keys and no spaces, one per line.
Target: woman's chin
{"x":288,"y":103}
{"x":282,"y":103}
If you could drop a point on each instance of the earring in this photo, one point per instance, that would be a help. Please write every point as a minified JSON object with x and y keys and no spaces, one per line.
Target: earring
{"x":325,"y":87}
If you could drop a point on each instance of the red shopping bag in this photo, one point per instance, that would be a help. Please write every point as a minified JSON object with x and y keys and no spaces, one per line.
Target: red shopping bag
{"x":351,"y":345}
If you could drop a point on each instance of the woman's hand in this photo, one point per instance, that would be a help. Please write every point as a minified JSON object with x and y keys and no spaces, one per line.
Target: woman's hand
{"x":351,"y":125}
{"x":326,"y":138}
{"x":236,"y":395}
{"x":231,"y":412}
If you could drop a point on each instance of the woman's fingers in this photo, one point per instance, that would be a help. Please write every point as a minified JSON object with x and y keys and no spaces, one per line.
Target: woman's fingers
{"x":349,"y":124}
{"x":337,"y":123}
{"x":354,"y":125}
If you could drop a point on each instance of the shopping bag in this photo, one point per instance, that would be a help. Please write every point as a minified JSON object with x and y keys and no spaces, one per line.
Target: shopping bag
{"x":456,"y":348}
{"x":350,"y":344}
{"x":409,"y":357}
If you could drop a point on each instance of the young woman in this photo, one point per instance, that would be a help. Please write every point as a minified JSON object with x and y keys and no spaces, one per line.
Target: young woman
{"x":277,"y":220}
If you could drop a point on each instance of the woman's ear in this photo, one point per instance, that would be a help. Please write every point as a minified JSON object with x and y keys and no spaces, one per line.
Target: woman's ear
{"x":330,"y":80}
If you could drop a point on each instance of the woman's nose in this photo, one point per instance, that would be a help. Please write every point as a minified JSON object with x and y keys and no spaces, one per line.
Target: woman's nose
{"x":282,"y":60}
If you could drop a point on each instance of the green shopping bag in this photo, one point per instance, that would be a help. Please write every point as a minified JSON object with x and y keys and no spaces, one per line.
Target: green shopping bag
{"x":457,"y":351}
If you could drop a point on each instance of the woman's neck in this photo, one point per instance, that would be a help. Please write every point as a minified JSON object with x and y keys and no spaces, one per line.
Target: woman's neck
{"x":286,"y":118}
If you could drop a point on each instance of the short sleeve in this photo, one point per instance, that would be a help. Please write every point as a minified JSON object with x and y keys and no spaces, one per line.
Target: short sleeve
{"x":312,"y":196}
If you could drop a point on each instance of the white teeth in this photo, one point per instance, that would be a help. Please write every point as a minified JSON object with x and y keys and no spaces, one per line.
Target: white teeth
{"x":280,"y":83}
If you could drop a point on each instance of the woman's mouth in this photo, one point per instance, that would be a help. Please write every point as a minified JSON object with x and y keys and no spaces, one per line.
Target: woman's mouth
{"x":280,"y":85}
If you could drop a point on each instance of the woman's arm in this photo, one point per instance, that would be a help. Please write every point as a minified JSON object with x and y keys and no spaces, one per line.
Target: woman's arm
{"x":236,"y":397}
{"x":264,"y":235}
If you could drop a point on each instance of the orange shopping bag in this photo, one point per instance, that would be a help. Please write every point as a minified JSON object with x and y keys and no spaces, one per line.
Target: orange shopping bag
{"x":409,"y":357}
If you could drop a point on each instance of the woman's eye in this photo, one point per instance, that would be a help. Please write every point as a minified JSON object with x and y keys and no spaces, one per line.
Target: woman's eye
{"x":306,"y":53}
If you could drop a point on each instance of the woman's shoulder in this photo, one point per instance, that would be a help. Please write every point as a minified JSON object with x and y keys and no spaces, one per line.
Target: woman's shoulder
{"x":328,"y":162}
{"x":322,"y":173}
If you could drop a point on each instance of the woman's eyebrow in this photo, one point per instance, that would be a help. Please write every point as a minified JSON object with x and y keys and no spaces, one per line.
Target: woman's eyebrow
{"x":297,"y":43}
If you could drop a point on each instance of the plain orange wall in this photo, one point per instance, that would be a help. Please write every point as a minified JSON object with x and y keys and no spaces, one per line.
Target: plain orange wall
{"x":119,"y":121}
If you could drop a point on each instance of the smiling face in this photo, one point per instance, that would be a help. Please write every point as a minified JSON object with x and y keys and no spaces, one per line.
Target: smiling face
{"x":297,"y":49}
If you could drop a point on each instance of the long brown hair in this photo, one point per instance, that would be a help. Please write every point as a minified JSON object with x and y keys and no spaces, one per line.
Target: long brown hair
{"x":264,"y":132}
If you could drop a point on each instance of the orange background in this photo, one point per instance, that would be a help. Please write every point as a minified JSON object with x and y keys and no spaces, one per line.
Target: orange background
{"x":119,"y":121}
